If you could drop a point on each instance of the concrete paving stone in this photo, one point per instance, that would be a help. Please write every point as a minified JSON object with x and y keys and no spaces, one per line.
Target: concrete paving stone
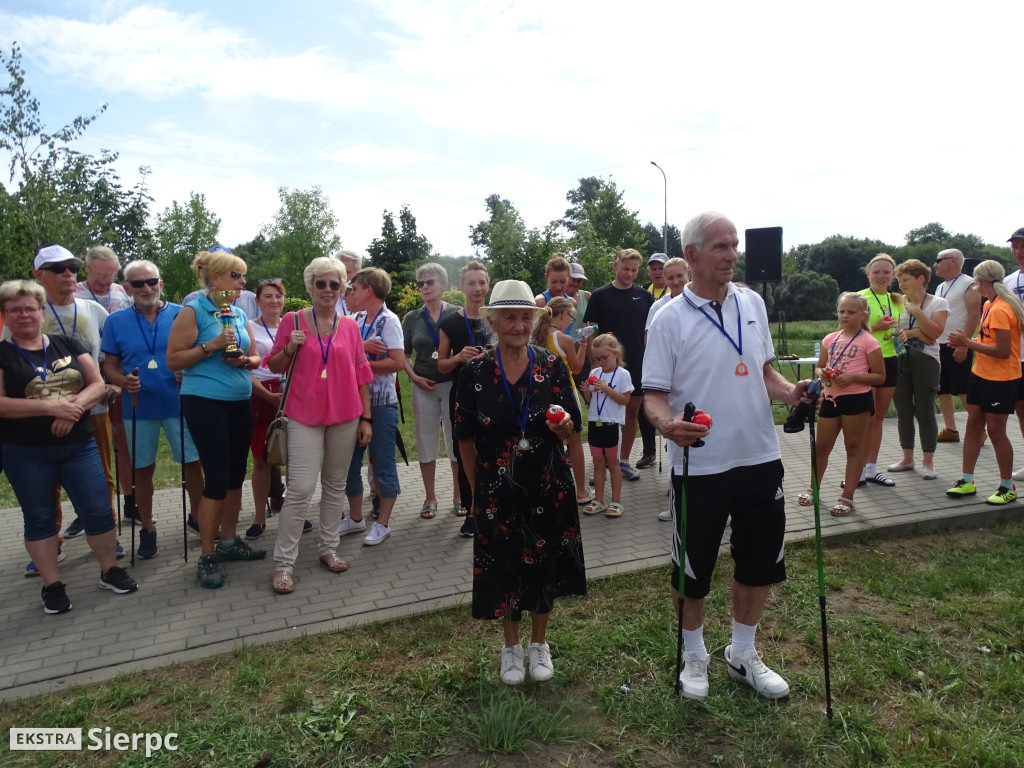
{"x":213,"y":634}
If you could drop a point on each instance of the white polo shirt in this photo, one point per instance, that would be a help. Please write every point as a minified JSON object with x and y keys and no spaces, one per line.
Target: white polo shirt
{"x":1015,"y":282}
{"x":689,"y":357}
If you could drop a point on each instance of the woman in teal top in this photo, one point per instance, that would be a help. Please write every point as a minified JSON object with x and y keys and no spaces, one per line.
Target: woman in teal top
{"x":885,"y":308}
{"x":215,"y":398}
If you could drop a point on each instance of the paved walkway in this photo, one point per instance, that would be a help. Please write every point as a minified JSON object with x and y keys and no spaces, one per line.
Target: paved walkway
{"x":423,"y":566}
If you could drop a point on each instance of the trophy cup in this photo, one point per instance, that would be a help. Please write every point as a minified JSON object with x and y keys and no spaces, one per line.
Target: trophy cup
{"x":226,"y":315}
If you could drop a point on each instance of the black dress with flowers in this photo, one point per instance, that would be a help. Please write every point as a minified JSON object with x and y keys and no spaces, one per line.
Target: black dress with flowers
{"x":528,"y":549}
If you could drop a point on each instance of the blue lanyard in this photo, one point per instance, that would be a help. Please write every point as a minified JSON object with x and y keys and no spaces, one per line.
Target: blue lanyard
{"x":912,"y":318}
{"x":325,"y":352}
{"x":887,"y":309}
{"x":435,"y":334}
{"x":74,"y":325}
{"x":832,"y":349}
{"x":150,"y":346}
{"x":520,"y":420}
{"x":469,"y":330}
{"x":269,"y":334}
{"x":950,"y":286}
{"x":365,"y":330}
{"x":41,"y":370}
{"x":738,"y":343}
{"x":600,"y":405}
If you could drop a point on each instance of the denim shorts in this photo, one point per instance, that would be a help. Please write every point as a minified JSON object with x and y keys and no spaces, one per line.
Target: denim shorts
{"x":147,"y":439}
{"x":382,"y":454}
{"x":35,"y":471}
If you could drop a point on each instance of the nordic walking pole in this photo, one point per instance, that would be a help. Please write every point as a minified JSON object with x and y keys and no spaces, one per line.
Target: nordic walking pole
{"x":821,"y":559}
{"x":184,"y":512}
{"x":117,"y":482}
{"x":135,"y":404}
{"x":688,"y":410}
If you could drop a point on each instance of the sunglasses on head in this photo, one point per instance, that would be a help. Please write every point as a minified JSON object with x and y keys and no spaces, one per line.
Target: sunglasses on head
{"x":150,"y":281}
{"x":425,"y":283}
{"x":62,"y":267}
{"x":270,"y":281}
{"x":332,"y":284}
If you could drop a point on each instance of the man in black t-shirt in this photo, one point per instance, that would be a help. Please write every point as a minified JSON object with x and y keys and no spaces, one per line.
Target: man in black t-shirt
{"x":621,"y":308}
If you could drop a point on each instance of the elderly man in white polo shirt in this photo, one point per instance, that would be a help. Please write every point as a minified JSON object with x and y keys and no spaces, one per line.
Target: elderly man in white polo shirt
{"x":964,"y":313}
{"x":712,"y":346}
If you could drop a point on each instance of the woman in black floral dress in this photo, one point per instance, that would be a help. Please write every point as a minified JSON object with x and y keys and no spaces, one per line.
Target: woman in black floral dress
{"x":528,"y":548}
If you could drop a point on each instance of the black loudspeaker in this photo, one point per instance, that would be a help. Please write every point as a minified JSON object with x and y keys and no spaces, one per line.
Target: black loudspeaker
{"x":764,"y":255}
{"x":969,"y":265}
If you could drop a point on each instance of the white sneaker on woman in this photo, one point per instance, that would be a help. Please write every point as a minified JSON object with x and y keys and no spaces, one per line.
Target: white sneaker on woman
{"x":512,"y":670}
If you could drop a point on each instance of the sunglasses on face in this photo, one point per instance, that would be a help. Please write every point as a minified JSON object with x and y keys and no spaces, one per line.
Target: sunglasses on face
{"x":332,"y":284}
{"x":150,"y":281}
{"x":60,"y":269}
{"x":425,"y":283}
{"x":944,"y":258}
{"x":237,"y":275}
{"x":270,"y":281}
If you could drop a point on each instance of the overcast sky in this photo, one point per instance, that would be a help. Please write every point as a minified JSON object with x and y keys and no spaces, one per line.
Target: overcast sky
{"x":864,"y":119}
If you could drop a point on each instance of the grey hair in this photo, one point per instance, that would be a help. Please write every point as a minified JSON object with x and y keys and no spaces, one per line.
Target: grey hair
{"x":352,"y":256}
{"x":321,"y":266}
{"x":693,"y":231}
{"x":137,"y":264}
{"x":103,"y":253}
{"x":433,"y":268}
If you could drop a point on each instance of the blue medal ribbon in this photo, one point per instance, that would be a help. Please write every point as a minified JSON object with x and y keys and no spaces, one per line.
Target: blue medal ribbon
{"x":40,"y":370}
{"x":738,"y":342}
{"x":520,"y":420}
{"x":325,"y":352}
{"x":600,"y":405}
{"x":74,"y":325}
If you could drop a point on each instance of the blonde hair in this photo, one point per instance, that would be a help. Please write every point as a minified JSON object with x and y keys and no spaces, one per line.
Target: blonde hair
{"x":894,"y":297}
{"x":675,"y":261}
{"x":991,"y":271}
{"x":629,"y":254}
{"x":12,"y":289}
{"x":557,"y":263}
{"x":473,"y":266}
{"x":210,"y":264}
{"x":609,"y":342}
{"x":322,"y":266}
{"x":545,"y":320}
{"x":862,"y":303}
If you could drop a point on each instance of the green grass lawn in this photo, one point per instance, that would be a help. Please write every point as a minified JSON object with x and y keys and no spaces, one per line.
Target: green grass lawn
{"x":924,"y":638}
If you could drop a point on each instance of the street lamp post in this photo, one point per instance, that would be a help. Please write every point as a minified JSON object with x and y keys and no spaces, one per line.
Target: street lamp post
{"x":664,"y":230}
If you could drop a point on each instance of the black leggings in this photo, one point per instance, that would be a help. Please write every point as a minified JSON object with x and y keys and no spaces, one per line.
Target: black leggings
{"x":221,"y":430}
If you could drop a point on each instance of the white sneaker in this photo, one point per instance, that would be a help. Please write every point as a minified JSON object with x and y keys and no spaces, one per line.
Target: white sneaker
{"x":665,"y":515}
{"x":512,"y":671}
{"x":541,"y":668}
{"x":754,"y":672}
{"x":1019,"y":474}
{"x":376,"y":535}
{"x":693,"y":680}
{"x":349,"y":526}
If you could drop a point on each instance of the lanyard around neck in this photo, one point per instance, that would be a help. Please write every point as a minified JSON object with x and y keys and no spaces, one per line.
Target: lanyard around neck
{"x":74,"y":325}
{"x":520,"y":419}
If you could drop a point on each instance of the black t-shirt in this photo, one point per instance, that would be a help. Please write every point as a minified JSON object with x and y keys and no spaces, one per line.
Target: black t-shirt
{"x":622,"y":313}
{"x":454,"y":327}
{"x":64,"y":379}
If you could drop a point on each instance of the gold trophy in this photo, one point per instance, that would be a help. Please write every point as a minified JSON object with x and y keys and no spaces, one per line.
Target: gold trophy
{"x":226,"y":314}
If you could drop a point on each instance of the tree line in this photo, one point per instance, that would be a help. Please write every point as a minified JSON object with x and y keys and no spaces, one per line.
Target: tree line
{"x":56,"y":194}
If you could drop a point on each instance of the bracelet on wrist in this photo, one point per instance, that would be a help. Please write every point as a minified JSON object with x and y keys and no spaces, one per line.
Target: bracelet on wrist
{"x":206,"y":349}
{"x":367,"y":419}
{"x":286,"y":352}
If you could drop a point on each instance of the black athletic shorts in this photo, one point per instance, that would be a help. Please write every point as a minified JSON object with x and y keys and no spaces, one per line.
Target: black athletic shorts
{"x":752,"y":497}
{"x":1020,"y":384}
{"x":848,"y":405}
{"x":892,"y":372}
{"x":605,"y":436}
{"x":992,"y":396}
{"x":953,"y":376}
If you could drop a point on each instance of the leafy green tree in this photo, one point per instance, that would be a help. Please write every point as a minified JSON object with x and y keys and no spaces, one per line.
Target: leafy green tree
{"x":933,"y":232}
{"x":181,"y":232}
{"x":303,"y":229}
{"x":60,"y":195}
{"x":807,"y":296}
{"x":844,"y":258}
{"x":656,"y":240}
{"x":600,"y":203}
{"x":399,"y":251}
{"x":501,"y":243}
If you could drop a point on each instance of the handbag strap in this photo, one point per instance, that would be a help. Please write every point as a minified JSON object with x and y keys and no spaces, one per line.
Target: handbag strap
{"x":288,"y":380}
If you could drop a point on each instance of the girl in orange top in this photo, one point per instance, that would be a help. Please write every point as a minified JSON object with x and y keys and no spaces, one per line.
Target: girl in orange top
{"x":992,"y":387}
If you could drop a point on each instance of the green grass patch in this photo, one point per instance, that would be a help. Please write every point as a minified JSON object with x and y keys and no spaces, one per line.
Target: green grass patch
{"x":924,"y":636}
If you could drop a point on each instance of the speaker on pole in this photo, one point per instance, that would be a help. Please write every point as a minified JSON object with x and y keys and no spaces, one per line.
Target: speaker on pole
{"x":764,"y":255}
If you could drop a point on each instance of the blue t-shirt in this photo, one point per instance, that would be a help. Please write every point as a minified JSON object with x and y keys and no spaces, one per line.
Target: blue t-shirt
{"x":137,"y":341}
{"x":211,"y":377}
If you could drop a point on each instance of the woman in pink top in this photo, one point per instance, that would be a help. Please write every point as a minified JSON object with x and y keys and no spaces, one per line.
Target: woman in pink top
{"x":850,"y":363}
{"x":328,"y":409}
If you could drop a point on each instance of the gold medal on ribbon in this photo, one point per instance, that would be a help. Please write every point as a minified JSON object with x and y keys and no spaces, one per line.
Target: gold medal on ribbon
{"x":152,"y":365}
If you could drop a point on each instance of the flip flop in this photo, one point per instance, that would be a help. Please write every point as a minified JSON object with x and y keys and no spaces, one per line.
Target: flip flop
{"x":428,"y":511}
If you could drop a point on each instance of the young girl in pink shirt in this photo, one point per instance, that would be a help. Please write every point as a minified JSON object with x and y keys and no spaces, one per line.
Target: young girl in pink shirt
{"x":850,"y":363}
